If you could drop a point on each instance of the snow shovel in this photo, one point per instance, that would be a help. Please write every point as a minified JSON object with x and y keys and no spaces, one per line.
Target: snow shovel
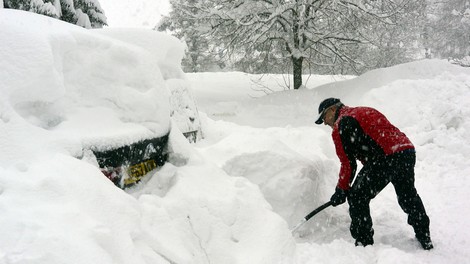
{"x":310,"y":215}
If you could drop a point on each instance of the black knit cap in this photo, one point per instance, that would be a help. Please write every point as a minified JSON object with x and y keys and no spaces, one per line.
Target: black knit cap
{"x":325,"y":104}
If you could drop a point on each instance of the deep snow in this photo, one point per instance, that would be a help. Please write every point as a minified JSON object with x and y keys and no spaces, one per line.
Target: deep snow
{"x":231,"y":197}
{"x":427,"y":99}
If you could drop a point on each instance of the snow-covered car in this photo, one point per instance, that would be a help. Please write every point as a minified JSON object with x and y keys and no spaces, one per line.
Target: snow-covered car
{"x":128,"y":164}
{"x":100,"y":98}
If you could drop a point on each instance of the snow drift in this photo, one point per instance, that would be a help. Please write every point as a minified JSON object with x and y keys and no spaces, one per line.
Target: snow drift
{"x":65,"y":89}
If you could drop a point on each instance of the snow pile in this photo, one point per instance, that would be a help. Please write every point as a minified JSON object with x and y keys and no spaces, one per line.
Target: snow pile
{"x":420,"y":70}
{"x":65,"y":89}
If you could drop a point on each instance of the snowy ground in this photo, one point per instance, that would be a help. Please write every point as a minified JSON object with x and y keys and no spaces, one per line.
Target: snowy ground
{"x":427,"y":99}
{"x":231,"y":197}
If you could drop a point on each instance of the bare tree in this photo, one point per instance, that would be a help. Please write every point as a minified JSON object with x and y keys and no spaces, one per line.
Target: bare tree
{"x":324,"y":32}
{"x":201,"y":55}
{"x":449,"y":28}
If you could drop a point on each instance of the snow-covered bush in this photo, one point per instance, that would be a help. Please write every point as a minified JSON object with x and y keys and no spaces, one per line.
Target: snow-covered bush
{"x":84,"y":13}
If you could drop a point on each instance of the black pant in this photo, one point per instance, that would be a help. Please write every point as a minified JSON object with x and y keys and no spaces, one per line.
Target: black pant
{"x":397,"y":168}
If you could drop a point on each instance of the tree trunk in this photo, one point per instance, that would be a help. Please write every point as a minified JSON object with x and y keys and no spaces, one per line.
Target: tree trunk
{"x":297,"y":71}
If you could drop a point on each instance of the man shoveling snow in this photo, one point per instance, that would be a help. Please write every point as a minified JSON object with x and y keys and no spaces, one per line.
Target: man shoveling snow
{"x":365,"y":134}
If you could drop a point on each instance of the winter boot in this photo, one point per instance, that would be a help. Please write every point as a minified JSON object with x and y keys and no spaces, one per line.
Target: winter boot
{"x":364,"y":242}
{"x":425,"y":240}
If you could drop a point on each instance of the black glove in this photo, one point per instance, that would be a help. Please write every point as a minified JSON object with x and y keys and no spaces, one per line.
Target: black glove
{"x":339,"y":197}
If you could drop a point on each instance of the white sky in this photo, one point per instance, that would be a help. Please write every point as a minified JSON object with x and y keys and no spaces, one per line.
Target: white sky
{"x":134,"y":13}
{"x":230,"y":198}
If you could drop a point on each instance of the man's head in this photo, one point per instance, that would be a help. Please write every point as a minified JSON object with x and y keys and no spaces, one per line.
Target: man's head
{"x":324,"y":109}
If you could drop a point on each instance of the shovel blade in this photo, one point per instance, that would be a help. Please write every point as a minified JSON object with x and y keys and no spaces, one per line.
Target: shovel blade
{"x":295,"y":228}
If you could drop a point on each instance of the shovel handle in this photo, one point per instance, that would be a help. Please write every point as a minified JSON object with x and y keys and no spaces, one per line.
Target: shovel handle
{"x":310,"y":215}
{"x":316,"y":211}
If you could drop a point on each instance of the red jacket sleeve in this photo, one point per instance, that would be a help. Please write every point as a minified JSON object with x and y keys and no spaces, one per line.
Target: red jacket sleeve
{"x":348,"y":166}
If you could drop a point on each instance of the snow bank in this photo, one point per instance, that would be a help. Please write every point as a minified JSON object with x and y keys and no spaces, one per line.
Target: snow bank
{"x":286,"y":175}
{"x":355,"y":89}
{"x":65,"y":89}
{"x":223,"y":217}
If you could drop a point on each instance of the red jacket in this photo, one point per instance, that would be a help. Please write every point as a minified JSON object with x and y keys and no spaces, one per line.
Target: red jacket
{"x":365,"y":134}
